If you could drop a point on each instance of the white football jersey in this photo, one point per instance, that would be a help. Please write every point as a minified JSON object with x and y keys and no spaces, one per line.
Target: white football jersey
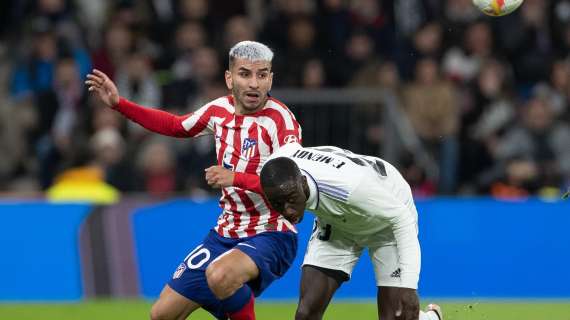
{"x":366,"y":199}
{"x":357,"y":194}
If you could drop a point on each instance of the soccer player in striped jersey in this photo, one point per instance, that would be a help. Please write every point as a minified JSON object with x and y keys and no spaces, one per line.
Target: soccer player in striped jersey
{"x":251,"y":245}
{"x":360,"y":202}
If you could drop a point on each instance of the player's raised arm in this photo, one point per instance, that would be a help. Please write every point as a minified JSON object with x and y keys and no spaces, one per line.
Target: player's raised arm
{"x":152,"y":119}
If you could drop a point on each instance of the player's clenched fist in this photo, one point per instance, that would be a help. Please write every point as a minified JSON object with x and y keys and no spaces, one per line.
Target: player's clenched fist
{"x":219,"y":177}
{"x":104,"y":87}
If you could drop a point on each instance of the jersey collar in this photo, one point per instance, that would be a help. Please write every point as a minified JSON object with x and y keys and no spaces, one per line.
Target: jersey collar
{"x":313,"y":200}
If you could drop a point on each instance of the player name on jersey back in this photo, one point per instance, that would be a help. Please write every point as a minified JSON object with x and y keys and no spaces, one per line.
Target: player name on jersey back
{"x":318,"y":157}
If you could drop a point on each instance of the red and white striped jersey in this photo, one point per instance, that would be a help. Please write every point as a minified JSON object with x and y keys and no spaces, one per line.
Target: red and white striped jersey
{"x":243,"y":144}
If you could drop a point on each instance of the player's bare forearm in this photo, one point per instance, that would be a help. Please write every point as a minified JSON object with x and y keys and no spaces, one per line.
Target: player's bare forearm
{"x":219,"y":177}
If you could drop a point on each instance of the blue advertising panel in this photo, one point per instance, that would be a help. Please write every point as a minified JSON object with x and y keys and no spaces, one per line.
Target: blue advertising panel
{"x":470,"y":248}
{"x":39,"y":244}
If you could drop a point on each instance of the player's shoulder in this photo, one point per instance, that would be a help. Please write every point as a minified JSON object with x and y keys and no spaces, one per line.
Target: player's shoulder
{"x":274,"y":107}
{"x":279,"y":113}
{"x":277,"y":104}
{"x":224,"y":103}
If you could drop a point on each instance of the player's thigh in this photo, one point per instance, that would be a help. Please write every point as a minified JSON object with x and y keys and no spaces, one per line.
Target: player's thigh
{"x":318,"y":286}
{"x":331,"y":249}
{"x":273,"y":253}
{"x":233,"y":266}
{"x":172,"y":305}
{"x":189,"y":280}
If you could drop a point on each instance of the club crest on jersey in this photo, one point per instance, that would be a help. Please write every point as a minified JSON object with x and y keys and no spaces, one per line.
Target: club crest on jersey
{"x":291,"y":139}
{"x":248,"y":148}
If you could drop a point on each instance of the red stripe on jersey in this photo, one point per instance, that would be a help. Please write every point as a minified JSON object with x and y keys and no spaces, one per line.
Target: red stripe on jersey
{"x":253,"y":213}
{"x":252,"y":168}
{"x":223,"y":139}
{"x":234,"y":161}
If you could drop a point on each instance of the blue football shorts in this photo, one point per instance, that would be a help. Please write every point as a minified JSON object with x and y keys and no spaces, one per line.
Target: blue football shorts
{"x":273,"y":252}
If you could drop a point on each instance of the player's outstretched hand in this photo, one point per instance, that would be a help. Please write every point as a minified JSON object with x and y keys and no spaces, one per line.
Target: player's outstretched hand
{"x":104,"y":87}
{"x":408,"y":304}
{"x":219,"y":177}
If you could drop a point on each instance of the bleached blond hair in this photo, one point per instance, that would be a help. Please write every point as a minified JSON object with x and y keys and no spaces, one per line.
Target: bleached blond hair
{"x":250,"y":50}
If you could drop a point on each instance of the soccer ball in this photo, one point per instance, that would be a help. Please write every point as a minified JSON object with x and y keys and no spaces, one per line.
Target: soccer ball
{"x":497,"y":8}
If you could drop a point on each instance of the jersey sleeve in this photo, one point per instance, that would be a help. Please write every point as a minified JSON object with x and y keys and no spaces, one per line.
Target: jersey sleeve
{"x":287,"y":128}
{"x":404,"y":227}
{"x":165,"y":123}
{"x":252,"y":182}
{"x":406,"y":234}
{"x":248,"y":181}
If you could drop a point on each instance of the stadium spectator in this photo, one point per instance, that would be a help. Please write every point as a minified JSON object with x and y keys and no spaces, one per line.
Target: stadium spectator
{"x":487,"y":112}
{"x":540,"y":142}
{"x":528,"y":44}
{"x":109,"y":150}
{"x":313,"y":75}
{"x":237,"y":29}
{"x":301,"y":48}
{"x":252,"y":245}
{"x":433,"y":111}
{"x":333,"y":25}
{"x":156,"y":166}
{"x":118,"y":43}
{"x":62,"y":113}
{"x":463,"y":61}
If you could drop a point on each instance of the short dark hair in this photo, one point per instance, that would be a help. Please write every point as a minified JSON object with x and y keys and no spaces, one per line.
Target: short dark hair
{"x":279,"y":171}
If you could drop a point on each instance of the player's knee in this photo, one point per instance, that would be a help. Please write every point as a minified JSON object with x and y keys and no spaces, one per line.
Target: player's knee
{"x":220,"y":281}
{"x":157,"y":312}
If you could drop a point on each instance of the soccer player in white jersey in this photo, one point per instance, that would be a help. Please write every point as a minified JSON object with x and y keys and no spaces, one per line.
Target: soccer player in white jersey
{"x":252,"y":245}
{"x":360,"y":202}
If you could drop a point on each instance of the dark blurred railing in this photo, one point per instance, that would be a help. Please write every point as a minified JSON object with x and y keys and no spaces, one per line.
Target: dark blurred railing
{"x":364,"y":120}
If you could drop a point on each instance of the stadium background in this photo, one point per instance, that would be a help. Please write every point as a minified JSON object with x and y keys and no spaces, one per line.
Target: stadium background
{"x":464,"y":105}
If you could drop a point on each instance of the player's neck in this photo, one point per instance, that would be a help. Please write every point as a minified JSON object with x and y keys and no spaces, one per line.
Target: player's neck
{"x":240,"y":110}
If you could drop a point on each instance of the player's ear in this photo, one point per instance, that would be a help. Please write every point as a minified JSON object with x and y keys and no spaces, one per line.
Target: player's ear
{"x":228,"y":77}
{"x":305,"y":185}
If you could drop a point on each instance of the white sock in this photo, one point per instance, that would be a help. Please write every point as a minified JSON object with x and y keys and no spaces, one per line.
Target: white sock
{"x":430,"y":315}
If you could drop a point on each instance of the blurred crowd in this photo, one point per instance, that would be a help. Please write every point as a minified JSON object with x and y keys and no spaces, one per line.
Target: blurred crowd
{"x":487,"y":97}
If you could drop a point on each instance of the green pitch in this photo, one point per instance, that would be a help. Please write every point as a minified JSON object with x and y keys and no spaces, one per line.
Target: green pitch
{"x":138,"y":309}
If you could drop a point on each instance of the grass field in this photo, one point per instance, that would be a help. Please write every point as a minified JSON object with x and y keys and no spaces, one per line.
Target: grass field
{"x":138,"y":309}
